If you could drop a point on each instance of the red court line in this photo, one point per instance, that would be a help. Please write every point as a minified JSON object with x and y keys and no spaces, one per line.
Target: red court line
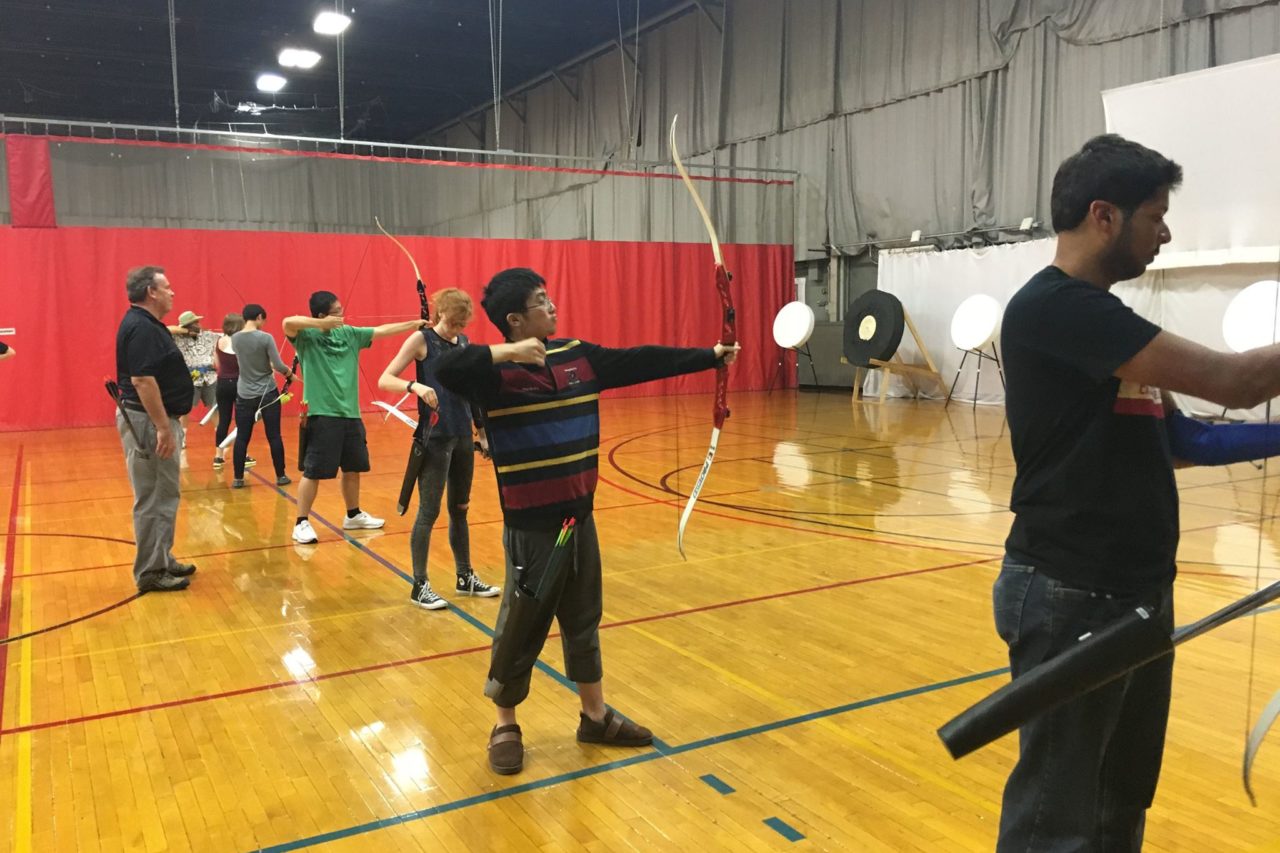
{"x":789,"y":593}
{"x":243,"y":691}
{"x":6,"y":592}
{"x":792,"y":527}
{"x":439,"y":527}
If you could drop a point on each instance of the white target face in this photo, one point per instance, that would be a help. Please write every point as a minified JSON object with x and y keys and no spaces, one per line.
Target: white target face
{"x":867,"y":328}
{"x":793,"y":326}
{"x":1252,"y":320}
{"x":976,"y":322}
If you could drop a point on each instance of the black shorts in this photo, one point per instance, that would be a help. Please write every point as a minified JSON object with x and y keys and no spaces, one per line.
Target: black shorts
{"x":334,"y":443}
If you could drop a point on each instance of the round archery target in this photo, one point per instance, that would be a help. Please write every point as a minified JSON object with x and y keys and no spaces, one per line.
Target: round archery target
{"x":976,"y":322}
{"x":1251,"y":319}
{"x":793,"y":325}
{"x":873,"y":328}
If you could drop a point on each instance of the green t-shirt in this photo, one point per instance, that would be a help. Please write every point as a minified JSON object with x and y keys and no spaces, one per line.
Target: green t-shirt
{"x":330,"y":363}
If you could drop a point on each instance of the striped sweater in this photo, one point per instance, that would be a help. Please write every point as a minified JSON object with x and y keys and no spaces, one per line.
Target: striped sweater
{"x":543,"y":423}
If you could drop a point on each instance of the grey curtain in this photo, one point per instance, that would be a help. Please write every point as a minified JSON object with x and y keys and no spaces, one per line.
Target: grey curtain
{"x":899,"y":115}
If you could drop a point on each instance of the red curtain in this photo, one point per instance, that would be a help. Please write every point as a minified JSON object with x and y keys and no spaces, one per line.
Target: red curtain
{"x":30,"y":182}
{"x":64,"y":295}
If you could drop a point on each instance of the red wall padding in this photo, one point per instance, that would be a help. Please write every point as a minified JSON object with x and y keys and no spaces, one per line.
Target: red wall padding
{"x":30,"y":182}
{"x":63,"y":291}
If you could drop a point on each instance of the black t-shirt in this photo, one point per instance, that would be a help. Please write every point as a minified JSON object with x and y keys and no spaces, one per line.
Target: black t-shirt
{"x":144,"y":347}
{"x":1095,"y":500}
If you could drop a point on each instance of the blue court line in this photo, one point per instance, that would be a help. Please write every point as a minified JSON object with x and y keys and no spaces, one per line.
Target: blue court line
{"x":718,"y":784}
{"x":783,"y":828}
{"x":661,"y":749}
{"x":559,"y":677}
{"x":642,"y":758}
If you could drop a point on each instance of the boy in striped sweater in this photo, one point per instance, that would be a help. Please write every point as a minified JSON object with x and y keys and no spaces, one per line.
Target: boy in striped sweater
{"x":540,"y":397}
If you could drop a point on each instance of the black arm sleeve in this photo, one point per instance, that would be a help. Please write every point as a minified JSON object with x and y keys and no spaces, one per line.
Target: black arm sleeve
{"x":616,"y":368}
{"x":468,"y":372}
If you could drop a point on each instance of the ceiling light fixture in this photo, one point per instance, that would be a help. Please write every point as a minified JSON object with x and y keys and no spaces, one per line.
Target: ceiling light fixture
{"x":270,"y":82}
{"x":293,"y":57}
{"x":330,"y":23}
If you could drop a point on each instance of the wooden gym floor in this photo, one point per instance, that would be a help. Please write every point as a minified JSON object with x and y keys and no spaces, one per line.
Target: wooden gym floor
{"x":833,"y":612}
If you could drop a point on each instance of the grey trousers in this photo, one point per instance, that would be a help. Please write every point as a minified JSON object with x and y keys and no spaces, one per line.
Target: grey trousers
{"x":578,"y":609}
{"x":155,"y":493}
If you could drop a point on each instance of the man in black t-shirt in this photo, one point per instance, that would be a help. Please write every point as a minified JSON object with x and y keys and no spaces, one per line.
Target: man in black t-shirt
{"x":155,"y":390}
{"x":1095,"y":437}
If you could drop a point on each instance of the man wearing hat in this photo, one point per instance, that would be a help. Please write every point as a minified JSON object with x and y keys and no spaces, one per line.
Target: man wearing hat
{"x":196,"y":346}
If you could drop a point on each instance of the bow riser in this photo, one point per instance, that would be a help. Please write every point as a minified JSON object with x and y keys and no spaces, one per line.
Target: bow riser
{"x":728,"y":337}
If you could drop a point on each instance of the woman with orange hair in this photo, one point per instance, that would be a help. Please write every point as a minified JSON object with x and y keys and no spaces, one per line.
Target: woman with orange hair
{"x":450,"y":457}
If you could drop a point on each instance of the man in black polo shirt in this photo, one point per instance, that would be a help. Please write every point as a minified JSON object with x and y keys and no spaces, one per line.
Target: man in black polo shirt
{"x":1095,"y":531}
{"x":155,"y":390}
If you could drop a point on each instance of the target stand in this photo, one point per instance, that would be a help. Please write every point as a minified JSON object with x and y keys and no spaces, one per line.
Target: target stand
{"x":792,"y":329}
{"x":873,"y":329}
{"x":973,"y":329}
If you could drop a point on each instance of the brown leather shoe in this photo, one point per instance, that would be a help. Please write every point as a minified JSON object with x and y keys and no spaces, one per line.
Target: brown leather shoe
{"x":506,"y":750}
{"x":613,"y":730}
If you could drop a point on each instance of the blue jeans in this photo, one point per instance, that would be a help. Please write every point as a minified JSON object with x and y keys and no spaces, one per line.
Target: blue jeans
{"x":1087,"y":770}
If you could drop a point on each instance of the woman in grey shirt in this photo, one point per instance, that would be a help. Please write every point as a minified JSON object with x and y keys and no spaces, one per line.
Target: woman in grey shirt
{"x":256,"y":394}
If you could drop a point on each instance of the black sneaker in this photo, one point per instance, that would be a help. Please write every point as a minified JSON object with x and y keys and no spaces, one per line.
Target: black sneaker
{"x":249,"y":462}
{"x":182,"y":570}
{"x":470,"y":584}
{"x":423,"y":596}
{"x":283,"y":480}
{"x":163,"y":582}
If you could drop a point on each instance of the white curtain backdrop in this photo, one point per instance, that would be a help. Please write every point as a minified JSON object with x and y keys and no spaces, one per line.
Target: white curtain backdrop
{"x":1221,"y":124}
{"x":1188,"y":301}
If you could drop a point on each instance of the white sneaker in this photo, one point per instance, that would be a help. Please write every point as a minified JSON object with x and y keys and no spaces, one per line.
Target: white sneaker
{"x":363,"y":521}
{"x":303,"y":533}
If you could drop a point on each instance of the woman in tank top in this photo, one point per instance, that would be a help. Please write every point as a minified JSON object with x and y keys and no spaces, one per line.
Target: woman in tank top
{"x":228,"y":367}
{"x":450,"y":455}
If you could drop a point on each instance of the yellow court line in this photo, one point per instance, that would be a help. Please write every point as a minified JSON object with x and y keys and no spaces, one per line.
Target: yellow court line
{"x":540,"y":407}
{"x":22,"y":807}
{"x":893,"y":761}
{"x":547,"y":463}
{"x":216,"y":634}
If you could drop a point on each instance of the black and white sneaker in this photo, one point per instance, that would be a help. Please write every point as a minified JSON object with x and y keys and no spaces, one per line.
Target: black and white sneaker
{"x":424,"y":597}
{"x":470,"y":584}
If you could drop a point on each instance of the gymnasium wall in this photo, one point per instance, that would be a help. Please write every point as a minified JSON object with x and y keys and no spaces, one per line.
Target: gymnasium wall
{"x":64,"y":291}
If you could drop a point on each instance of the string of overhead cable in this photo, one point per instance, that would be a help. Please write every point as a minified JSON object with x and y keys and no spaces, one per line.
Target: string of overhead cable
{"x":630,"y":95}
{"x":495,"y":68}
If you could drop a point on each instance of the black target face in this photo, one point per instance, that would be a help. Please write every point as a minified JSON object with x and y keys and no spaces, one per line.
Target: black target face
{"x":873,"y":328}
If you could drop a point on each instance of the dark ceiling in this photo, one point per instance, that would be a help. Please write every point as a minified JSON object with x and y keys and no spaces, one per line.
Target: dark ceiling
{"x":410,"y":65}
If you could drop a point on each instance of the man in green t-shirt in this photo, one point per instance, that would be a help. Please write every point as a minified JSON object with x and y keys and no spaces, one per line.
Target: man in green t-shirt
{"x":329,"y":351}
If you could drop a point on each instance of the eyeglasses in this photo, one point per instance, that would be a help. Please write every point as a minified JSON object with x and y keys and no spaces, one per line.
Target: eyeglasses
{"x":543,"y":302}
